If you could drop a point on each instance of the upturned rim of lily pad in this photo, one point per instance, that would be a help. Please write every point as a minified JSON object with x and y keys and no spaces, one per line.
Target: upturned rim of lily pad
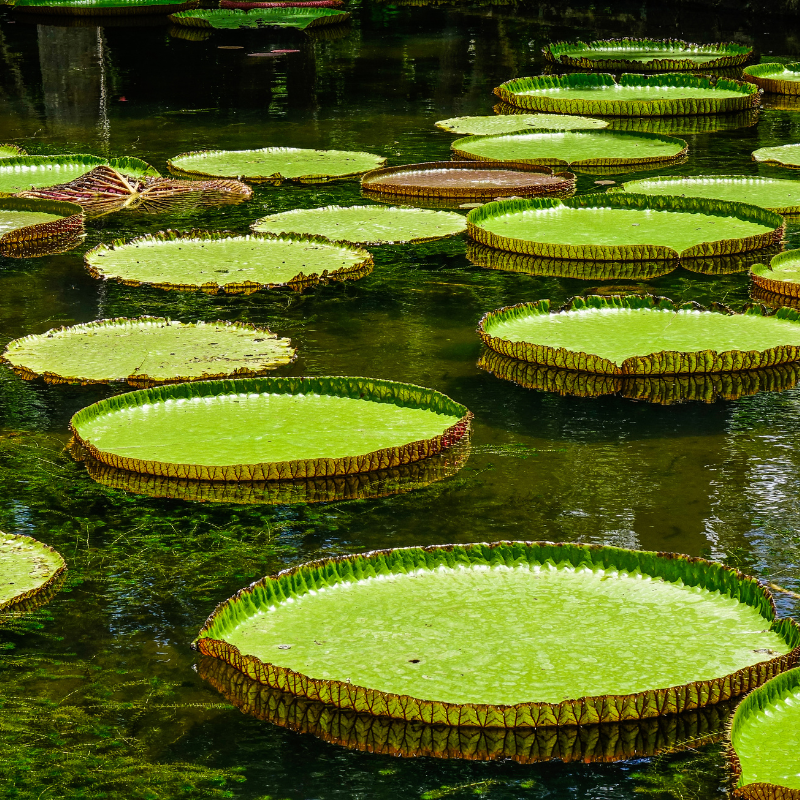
{"x":10,"y":355}
{"x":31,"y":598}
{"x":319,"y":17}
{"x":516,"y":91}
{"x":296,"y":581}
{"x":731,"y":54}
{"x":368,"y":389}
{"x":768,"y":77}
{"x":42,"y":238}
{"x":761,"y":275}
{"x":664,"y":362}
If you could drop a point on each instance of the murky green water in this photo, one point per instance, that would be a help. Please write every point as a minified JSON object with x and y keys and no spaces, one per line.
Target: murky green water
{"x":98,"y":691}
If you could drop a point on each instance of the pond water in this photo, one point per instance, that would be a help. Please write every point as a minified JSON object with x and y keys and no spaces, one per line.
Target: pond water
{"x":100,"y":692}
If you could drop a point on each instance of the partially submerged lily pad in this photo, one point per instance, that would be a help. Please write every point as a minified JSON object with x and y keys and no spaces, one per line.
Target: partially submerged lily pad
{"x":624,"y":227}
{"x":486,"y":126}
{"x":468,"y":180}
{"x":146,"y":351}
{"x":38,"y":227}
{"x":787,"y":155}
{"x":23,"y":173}
{"x":642,"y":335}
{"x":776,"y":78}
{"x":577,"y":149}
{"x":258,"y":429}
{"x":102,"y":7}
{"x":365,"y":224}
{"x":646,"y":55}
{"x":292,"y":17}
{"x":633,"y":96}
{"x":276,"y":164}
{"x":781,"y":275}
{"x":27,"y":569}
{"x":660,"y":633}
{"x":209,"y":261}
{"x":775,"y":194}
{"x":764,"y":734}
{"x":608,"y":742}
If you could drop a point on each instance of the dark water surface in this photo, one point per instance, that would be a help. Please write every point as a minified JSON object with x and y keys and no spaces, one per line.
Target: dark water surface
{"x":98,"y":695}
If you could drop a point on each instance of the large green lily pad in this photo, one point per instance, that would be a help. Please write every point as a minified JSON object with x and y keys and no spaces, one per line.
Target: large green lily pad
{"x":634,"y":95}
{"x":646,"y":55}
{"x":92,"y":7}
{"x":38,"y":227}
{"x":781,"y":275}
{"x":764,"y":734}
{"x":661,"y":634}
{"x":270,"y":428}
{"x":146,"y":351}
{"x":777,"y":78}
{"x":276,"y":164}
{"x":774,"y":194}
{"x":642,"y":335}
{"x":300,"y":18}
{"x":27,"y":569}
{"x":786,"y":155}
{"x":212,"y":262}
{"x":366,"y":224}
{"x":577,"y":149}
{"x":395,"y":737}
{"x":624,"y":227}
{"x":21,"y":173}
{"x":487,"y":126}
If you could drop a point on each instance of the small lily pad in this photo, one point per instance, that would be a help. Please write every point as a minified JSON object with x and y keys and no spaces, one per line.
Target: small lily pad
{"x":27,"y":568}
{"x":781,"y":276}
{"x":786,"y":155}
{"x":775,"y":78}
{"x":486,"y":126}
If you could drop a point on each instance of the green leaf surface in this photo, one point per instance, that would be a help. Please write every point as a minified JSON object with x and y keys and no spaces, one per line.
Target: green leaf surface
{"x":776,"y":78}
{"x":787,"y":155}
{"x":575,"y":148}
{"x":300,"y":18}
{"x":147,"y":350}
{"x":200,"y":259}
{"x":765,"y":731}
{"x":276,"y":164}
{"x":11,"y":220}
{"x":775,"y":194}
{"x":10,"y":151}
{"x":485,"y":126}
{"x":366,"y":224}
{"x":26,"y":567}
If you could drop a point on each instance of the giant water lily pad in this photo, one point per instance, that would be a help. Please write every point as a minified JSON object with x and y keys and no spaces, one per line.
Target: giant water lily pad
{"x":27,"y":569}
{"x":774,"y":194}
{"x":786,"y":155}
{"x":777,"y":78}
{"x":102,"y":7}
{"x":276,"y":164}
{"x":781,"y":275}
{"x":396,"y":737}
{"x":22,"y":173}
{"x":659,"y":633}
{"x":487,"y":126}
{"x":270,"y":428}
{"x":578,"y":149}
{"x":642,"y":335}
{"x":633,"y":96}
{"x":467,"y":181}
{"x":300,"y":18}
{"x":209,"y":261}
{"x":366,"y":224}
{"x":646,"y":55}
{"x":146,"y":351}
{"x":624,"y":227}
{"x":764,"y":734}
{"x":38,"y":227}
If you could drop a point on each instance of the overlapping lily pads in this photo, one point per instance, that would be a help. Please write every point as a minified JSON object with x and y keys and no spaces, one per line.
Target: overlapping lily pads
{"x":781,"y":275}
{"x":646,"y":55}
{"x":786,"y":155}
{"x":581,"y":150}
{"x":775,"y":194}
{"x":276,"y":164}
{"x":229,"y":18}
{"x":642,"y":335}
{"x":24,"y":173}
{"x":257,"y":429}
{"x":660,"y":634}
{"x":633,"y":96}
{"x":104,"y":190}
{"x":371,"y":225}
{"x":38,"y":227}
{"x":102,"y":7}
{"x":467,"y":180}
{"x":211,"y":262}
{"x":146,"y":351}
{"x":520,"y":121}
{"x":624,"y":227}
{"x":776,"y":78}
{"x":608,"y":742}
{"x":764,"y":733}
{"x":28,"y":570}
